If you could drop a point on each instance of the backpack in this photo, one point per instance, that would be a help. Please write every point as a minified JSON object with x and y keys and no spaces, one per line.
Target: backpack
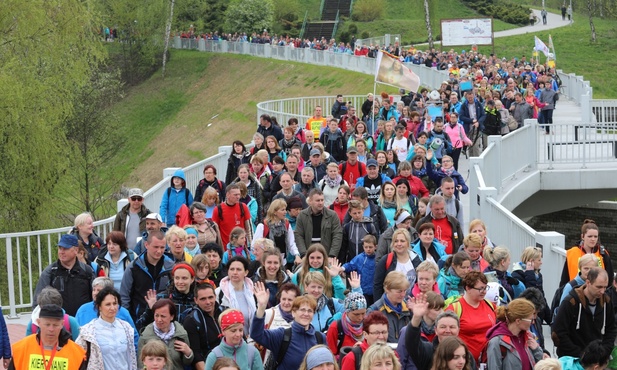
{"x":357,"y":352}
{"x":341,"y":335}
{"x":200,"y":320}
{"x":272,"y":364}
{"x":557,"y":297}
{"x":267,"y":229}
{"x":344,"y":167}
{"x":330,"y":305}
{"x":65,"y":323}
{"x":220,"y":209}
{"x":251,"y":353}
{"x":186,"y":195}
{"x":389,"y":260}
{"x":504,"y":351}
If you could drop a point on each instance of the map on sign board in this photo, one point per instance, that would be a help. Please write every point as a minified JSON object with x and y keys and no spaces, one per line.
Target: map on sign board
{"x":470,"y":31}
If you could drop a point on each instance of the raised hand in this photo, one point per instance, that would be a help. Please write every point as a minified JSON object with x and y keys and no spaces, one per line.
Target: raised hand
{"x":420,"y":305}
{"x":150,"y":298}
{"x":429,"y":154}
{"x":261,"y":294}
{"x":354,"y":280}
{"x":334,"y":267}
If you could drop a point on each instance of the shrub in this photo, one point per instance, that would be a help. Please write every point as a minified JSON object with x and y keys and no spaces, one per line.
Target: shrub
{"x":368,"y":10}
{"x":352,"y":29}
{"x":507,"y":12}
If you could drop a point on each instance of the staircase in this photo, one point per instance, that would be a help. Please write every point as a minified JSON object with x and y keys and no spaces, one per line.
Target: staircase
{"x":317,"y":30}
{"x":331,"y":11}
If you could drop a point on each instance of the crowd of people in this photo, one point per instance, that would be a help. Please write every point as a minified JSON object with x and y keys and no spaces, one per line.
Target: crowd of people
{"x":324,"y":246}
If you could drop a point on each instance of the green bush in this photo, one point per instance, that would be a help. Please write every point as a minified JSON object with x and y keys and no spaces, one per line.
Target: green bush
{"x":507,"y":12}
{"x":344,"y":37}
{"x":364,"y":35}
{"x":352,"y":29}
{"x":368,"y":10}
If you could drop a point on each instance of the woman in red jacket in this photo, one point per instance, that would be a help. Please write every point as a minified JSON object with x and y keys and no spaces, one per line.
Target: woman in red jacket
{"x":341,"y":204}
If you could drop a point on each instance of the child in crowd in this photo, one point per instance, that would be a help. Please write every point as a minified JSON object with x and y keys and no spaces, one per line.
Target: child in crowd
{"x":354,"y":231}
{"x":176,"y":195}
{"x":364,"y":264}
{"x":237,"y":246}
{"x":201,"y":265}
{"x":154,"y":355}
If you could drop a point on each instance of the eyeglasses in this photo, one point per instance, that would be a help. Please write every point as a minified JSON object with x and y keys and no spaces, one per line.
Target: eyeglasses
{"x":527,"y":320}
{"x":306,"y":311}
{"x":379,"y":332}
{"x":481,"y":290}
{"x":135,"y":199}
{"x":446,"y":160}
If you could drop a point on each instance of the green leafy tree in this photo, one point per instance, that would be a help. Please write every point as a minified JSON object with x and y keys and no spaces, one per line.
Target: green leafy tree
{"x":93,"y":136}
{"x":46,"y":48}
{"x":140,"y":27}
{"x":249,"y":16}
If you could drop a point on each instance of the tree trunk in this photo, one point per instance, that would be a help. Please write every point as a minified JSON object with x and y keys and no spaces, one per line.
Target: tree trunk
{"x":593,"y":28}
{"x":429,"y":30}
{"x":167,"y":34}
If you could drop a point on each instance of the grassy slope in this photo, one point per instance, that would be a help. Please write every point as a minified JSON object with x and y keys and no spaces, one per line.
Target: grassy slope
{"x":167,"y":120}
{"x":406,"y":17}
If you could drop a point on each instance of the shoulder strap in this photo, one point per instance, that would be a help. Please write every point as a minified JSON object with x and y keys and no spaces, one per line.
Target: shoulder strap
{"x":357,"y":352}
{"x":266,"y":230}
{"x":186,"y":197}
{"x":341,"y":335}
{"x":319,"y":337}
{"x":168,"y":192}
{"x":360,"y":168}
{"x":220,"y":209}
{"x":330,"y":305}
{"x":67,"y":323}
{"x":458,"y":308}
{"x":284,"y":346}
{"x":323,"y":185}
{"x":457,"y":205}
{"x":389,"y":260}
{"x":343,"y":169}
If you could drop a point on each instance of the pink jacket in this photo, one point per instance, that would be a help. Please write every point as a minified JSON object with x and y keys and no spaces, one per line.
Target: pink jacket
{"x":457,"y":135}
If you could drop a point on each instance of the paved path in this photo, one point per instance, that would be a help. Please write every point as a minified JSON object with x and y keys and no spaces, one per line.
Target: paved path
{"x":552,"y":21}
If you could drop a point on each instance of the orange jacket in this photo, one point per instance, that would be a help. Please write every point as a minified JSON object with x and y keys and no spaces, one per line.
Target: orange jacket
{"x":574,"y":254}
{"x":27,"y":355}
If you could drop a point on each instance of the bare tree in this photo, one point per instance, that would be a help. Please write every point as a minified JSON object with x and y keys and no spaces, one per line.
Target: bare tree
{"x":429,"y":29}
{"x":593,"y":28}
{"x":167,"y":34}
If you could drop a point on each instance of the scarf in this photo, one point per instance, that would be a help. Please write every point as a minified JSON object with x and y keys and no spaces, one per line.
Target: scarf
{"x":398,"y":308}
{"x":332,"y":183}
{"x":355,"y":331}
{"x":448,"y":171}
{"x":165,"y":337}
{"x":287,"y":316}
{"x":288,"y":144}
{"x":427,"y":330}
{"x":277,"y":229}
{"x":502,"y":276}
{"x":388,"y":204}
{"x":421,"y":172}
{"x":321,"y":302}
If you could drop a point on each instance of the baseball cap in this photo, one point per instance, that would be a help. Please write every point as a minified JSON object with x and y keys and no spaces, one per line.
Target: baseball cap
{"x":154,"y":216}
{"x":136,"y":192}
{"x":352,"y":149}
{"x":68,"y":241}
{"x":315,"y":152}
{"x":371,"y":163}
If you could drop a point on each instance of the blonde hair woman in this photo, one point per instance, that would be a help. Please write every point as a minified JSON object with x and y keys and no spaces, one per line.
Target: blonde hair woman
{"x":380,"y":356}
{"x":277,"y":228}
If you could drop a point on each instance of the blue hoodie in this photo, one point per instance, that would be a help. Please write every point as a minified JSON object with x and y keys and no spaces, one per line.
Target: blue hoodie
{"x":174,"y":198}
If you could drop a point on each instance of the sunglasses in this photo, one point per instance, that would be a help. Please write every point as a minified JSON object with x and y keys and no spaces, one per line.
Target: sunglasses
{"x":136,"y":198}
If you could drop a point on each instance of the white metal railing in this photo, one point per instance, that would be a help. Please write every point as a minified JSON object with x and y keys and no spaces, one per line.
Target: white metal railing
{"x":604,"y":110}
{"x":28,"y":253}
{"x":578,"y":143}
{"x":428,"y":76}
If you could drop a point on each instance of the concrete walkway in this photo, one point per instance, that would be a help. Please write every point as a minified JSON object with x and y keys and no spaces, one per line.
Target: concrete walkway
{"x":552,"y":21}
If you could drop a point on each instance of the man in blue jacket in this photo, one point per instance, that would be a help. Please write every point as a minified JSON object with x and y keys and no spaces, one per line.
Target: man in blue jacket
{"x":472,"y":116}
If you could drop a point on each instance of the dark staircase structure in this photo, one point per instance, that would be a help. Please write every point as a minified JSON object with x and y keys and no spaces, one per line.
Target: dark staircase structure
{"x":331,"y":12}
